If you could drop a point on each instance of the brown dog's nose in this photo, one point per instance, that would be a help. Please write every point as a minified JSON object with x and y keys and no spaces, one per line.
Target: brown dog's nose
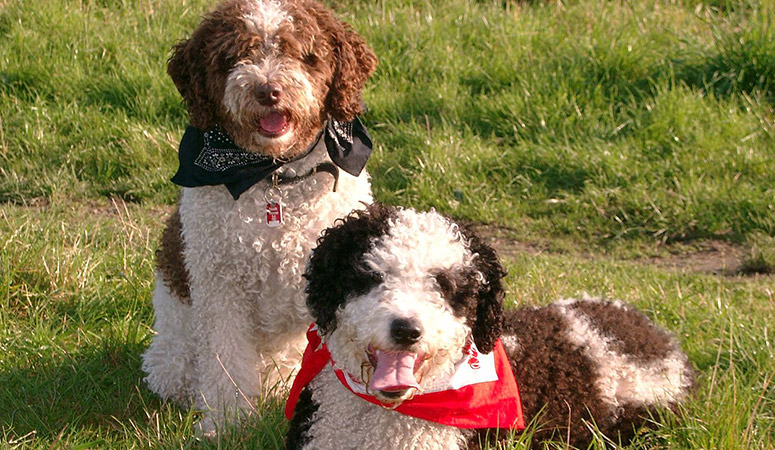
{"x":269,"y":94}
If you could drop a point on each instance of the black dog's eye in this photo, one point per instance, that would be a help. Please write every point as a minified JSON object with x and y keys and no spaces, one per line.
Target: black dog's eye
{"x":374,"y":277}
{"x":362,"y":280}
{"x":446,"y":284}
{"x":310,"y":59}
{"x":460,"y":290}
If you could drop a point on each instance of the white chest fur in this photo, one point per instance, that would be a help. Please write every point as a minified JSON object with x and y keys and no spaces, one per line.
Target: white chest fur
{"x":233,"y":255}
{"x":248,"y":311}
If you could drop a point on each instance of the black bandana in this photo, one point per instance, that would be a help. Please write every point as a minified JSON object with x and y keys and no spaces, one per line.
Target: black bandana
{"x":209,"y":158}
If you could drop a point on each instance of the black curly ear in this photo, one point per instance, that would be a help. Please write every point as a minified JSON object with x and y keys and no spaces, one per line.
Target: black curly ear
{"x":335,"y":270}
{"x":355,"y":62}
{"x":488,"y":325}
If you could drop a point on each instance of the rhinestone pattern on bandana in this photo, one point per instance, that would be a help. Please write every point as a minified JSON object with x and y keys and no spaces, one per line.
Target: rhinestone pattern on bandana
{"x":342,"y":130}
{"x":219,"y":153}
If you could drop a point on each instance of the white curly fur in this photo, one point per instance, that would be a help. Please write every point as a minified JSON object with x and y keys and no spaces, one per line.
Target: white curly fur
{"x":415,"y":246}
{"x":266,"y":16}
{"x":406,"y":258}
{"x":339,"y":409}
{"x":244,"y":330}
{"x":241,"y":103}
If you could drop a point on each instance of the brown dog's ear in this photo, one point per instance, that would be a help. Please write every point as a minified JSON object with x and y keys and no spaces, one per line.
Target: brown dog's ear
{"x":488,"y":326}
{"x":188,"y":69}
{"x":355,"y":62}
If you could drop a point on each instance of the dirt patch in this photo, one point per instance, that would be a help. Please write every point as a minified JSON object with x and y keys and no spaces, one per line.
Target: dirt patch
{"x":499,"y":238}
{"x":716,"y":257}
{"x":711,"y":257}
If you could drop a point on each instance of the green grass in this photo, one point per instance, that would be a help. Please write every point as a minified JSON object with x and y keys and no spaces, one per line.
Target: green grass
{"x":577,"y":121}
{"x":612,"y":131}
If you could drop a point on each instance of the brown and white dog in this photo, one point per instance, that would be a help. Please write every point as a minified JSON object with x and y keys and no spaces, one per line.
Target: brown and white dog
{"x":401,"y":297}
{"x":273,"y":90}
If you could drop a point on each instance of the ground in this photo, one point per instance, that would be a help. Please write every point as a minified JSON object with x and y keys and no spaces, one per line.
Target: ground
{"x":715,"y":257}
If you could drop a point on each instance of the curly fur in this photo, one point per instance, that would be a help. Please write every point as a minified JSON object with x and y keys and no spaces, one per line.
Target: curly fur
{"x":577,"y":361}
{"x":170,"y":257}
{"x":488,"y":324}
{"x":320,"y":61}
{"x":229,"y":301}
{"x":337,"y":263}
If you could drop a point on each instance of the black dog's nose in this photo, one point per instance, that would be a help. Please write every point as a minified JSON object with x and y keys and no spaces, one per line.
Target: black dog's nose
{"x":405,"y":331}
{"x":269,"y":94}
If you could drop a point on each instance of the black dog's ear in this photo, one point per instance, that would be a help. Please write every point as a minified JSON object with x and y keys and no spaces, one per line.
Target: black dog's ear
{"x":488,"y":326}
{"x":354,"y":64}
{"x":335,"y":270}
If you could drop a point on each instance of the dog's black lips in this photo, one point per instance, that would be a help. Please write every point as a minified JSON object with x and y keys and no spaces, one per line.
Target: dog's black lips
{"x":393,"y":394}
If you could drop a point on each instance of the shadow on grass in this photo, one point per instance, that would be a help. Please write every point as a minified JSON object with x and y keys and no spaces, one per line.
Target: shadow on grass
{"x":130,"y":95}
{"x":741,"y":67}
{"x":98,"y":393}
{"x":94,"y":387}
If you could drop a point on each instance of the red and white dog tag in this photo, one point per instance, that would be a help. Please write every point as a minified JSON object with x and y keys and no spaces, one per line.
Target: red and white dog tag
{"x":274,"y":214}
{"x":274,"y":205}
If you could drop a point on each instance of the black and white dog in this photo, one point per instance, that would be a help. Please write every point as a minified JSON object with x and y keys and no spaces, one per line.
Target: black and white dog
{"x":412,"y":349}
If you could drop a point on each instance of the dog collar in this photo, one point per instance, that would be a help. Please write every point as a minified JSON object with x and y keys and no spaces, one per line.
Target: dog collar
{"x":209,"y":158}
{"x":481,"y":393}
{"x":291,"y":178}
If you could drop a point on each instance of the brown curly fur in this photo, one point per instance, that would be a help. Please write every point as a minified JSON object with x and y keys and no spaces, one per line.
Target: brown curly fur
{"x":336,"y":61}
{"x":169,"y":259}
{"x":557,"y":378}
{"x":635,"y":338}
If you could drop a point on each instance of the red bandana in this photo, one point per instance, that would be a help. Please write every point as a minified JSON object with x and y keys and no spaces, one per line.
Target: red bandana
{"x":481,"y":393}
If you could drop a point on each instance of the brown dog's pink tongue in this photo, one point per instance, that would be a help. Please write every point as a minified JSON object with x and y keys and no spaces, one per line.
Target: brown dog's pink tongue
{"x":273,"y":122}
{"x":394,"y":371}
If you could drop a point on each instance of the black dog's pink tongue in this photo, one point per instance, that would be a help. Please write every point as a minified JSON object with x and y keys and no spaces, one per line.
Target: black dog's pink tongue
{"x":273,"y":122}
{"x":394,"y":371}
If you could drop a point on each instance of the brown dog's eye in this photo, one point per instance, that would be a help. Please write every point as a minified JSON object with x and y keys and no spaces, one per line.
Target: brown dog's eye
{"x":310,"y":59}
